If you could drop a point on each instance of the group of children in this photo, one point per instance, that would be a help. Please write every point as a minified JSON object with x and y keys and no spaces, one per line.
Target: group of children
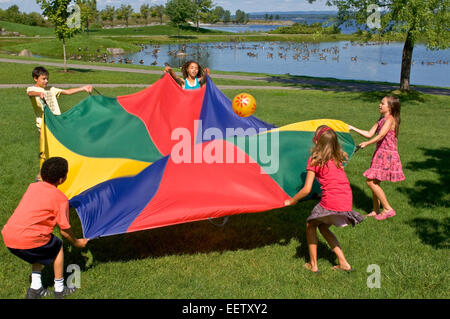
{"x":28,"y":233}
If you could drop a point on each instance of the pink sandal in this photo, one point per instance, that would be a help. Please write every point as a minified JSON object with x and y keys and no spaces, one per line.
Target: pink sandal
{"x":390,"y":213}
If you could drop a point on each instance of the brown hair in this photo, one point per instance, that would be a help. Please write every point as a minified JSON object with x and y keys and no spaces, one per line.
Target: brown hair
{"x":327,"y":147}
{"x":186,"y":65}
{"x":394,"y":108}
{"x":38,"y":71}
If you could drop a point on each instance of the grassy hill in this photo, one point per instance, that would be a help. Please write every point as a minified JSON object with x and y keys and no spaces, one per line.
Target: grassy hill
{"x":29,"y":31}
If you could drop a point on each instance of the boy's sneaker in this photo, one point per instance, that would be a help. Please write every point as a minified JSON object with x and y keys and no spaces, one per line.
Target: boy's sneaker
{"x":66,"y":291}
{"x":36,"y":293}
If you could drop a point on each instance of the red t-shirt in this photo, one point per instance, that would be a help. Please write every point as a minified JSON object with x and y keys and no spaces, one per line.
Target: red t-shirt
{"x":336,"y":191}
{"x":31,"y":225}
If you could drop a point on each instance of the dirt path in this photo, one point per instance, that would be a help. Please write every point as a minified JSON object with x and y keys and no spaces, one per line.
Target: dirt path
{"x":314,"y":83}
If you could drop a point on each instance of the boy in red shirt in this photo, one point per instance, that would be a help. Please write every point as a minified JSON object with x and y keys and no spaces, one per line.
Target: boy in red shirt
{"x":28,"y":232}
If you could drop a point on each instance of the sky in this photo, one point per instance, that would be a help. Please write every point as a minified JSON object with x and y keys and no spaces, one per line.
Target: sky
{"x":232,"y":5}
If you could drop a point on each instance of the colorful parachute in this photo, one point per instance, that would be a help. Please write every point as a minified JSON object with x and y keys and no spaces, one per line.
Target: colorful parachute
{"x":165,"y":156}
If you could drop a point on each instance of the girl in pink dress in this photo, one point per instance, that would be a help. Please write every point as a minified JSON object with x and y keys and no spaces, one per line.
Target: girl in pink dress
{"x":385,"y":165}
{"x":335,"y":207}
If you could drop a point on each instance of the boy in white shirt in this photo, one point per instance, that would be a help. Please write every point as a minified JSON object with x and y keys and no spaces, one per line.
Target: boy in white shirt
{"x":40,"y":95}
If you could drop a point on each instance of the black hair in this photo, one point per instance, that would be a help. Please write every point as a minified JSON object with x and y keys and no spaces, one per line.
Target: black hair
{"x":53,"y":169}
{"x":38,"y":71}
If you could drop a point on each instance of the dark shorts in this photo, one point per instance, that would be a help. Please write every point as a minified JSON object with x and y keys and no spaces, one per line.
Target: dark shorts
{"x":43,"y":255}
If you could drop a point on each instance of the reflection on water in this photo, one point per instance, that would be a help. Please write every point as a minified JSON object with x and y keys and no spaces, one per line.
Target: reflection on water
{"x":343,"y":60}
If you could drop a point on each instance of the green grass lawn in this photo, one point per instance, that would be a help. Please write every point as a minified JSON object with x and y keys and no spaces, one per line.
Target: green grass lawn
{"x":78,"y":45}
{"x":261,"y":255}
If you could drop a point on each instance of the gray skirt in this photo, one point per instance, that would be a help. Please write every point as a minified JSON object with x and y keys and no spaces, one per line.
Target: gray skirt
{"x":338,"y":219}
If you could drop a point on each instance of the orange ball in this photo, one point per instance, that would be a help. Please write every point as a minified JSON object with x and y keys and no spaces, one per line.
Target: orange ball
{"x":244,"y":104}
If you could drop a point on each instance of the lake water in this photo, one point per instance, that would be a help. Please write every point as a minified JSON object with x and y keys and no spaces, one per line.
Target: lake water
{"x":342,"y":60}
{"x":241,"y":28}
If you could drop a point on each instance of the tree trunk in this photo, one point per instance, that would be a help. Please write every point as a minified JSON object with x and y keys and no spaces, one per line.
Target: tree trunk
{"x":406,"y":62}
{"x":64,"y":51}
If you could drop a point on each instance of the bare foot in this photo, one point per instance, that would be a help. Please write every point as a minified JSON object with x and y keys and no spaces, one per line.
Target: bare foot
{"x":311,"y":268}
{"x":347,"y":268}
{"x":372,"y":214}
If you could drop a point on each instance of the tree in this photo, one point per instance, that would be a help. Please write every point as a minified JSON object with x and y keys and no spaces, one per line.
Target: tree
{"x":63,"y":19}
{"x":202,"y":7}
{"x":213,"y":16}
{"x":240,"y":16}
{"x":89,"y":12}
{"x":424,"y":19}
{"x":14,"y":14}
{"x":124,"y":13}
{"x":218,"y":12}
{"x":34,"y":19}
{"x":145,"y":12}
{"x":108,"y":14}
{"x":226,"y":16}
{"x":158,"y":11}
{"x":179,"y":11}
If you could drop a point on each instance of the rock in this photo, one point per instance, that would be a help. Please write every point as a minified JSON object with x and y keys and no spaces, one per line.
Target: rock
{"x":115,"y":51}
{"x":26,"y":52}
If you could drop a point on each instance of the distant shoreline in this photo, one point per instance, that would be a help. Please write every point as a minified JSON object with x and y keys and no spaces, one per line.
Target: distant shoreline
{"x":218,"y":24}
{"x":251,"y":22}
